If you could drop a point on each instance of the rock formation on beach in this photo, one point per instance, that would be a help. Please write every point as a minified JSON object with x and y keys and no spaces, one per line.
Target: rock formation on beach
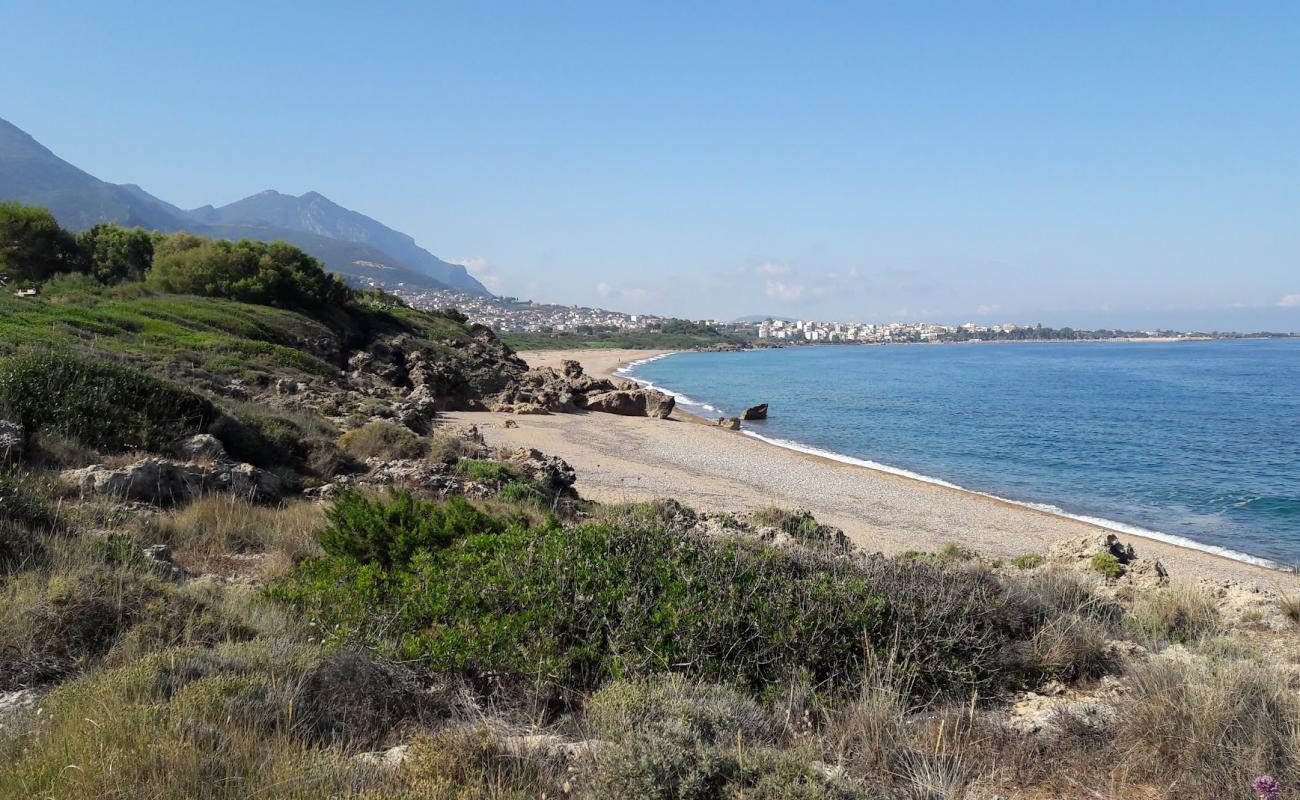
{"x":755,"y":412}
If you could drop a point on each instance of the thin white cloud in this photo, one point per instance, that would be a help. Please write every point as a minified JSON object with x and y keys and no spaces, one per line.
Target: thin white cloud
{"x":484,"y":272}
{"x":624,"y":294}
{"x":1290,"y":301}
{"x":985,"y":310}
{"x":785,"y":292}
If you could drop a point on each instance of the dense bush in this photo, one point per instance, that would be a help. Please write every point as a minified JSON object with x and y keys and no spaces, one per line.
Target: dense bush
{"x":32,"y":245}
{"x":382,"y":439}
{"x":276,"y":274}
{"x":115,"y":254}
{"x":575,"y":606}
{"x":98,"y":404}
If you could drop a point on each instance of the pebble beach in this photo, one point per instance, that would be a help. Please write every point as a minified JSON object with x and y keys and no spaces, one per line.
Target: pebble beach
{"x":625,"y":459}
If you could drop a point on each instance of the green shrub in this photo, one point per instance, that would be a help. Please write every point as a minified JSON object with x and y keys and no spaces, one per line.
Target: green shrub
{"x":575,"y":606}
{"x":1106,"y":565}
{"x":390,"y":532}
{"x":954,"y":551}
{"x":1027,"y":561}
{"x":99,"y":404}
{"x":275,"y":274}
{"x":492,"y":473}
{"x":382,"y":439}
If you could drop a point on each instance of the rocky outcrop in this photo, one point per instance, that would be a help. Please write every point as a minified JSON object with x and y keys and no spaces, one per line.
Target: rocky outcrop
{"x":728,"y":423}
{"x":632,"y":403}
{"x":553,"y":474}
{"x":11,"y":442}
{"x":162,"y":481}
{"x":202,"y":447}
{"x":545,"y":390}
{"x":1136,"y":575}
{"x":755,"y":412}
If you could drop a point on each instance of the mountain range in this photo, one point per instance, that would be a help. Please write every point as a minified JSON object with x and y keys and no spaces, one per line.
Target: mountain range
{"x":346,"y":241}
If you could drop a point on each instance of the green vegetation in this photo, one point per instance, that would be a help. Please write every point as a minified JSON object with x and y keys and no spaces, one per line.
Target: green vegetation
{"x":1027,"y":561}
{"x":574,"y":606}
{"x":115,"y":254}
{"x":275,"y":274}
{"x":1107,"y":566}
{"x":99,"y":404}
{"x":33,"y":246}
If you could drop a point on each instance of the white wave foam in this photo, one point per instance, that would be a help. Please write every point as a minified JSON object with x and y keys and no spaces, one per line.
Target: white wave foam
{"x":1047,"y":508}
{"x":1101,"y":522}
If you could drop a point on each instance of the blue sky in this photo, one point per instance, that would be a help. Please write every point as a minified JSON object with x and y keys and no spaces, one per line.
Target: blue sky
{"x":1070,"y":163}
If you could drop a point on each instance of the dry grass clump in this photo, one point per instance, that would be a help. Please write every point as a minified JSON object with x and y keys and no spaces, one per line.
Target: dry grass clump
{"x":1070,"y":647}
{"x":669,"y":703}
{"x":474,"y":763}
{"x":868,"y":735}
{"x":384,"y":440}
{"x":1289,"y":605}
{"x":219,"y":525}
{"x":1207,"y":729}
{"x":1181,"y":613}
{"x":61,"y":618}
{"x":449,"y":446}
{"x":223,"y":723}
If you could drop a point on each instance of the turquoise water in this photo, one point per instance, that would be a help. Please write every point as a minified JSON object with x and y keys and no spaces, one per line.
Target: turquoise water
{"x":1196,"y":441}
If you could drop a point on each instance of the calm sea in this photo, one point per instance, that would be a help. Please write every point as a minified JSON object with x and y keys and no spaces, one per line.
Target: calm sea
{"x":1193,"y":441}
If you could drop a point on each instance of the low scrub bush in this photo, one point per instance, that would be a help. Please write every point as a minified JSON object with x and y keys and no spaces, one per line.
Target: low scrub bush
{"x":575,"y":606}
{"x":670,"y":704}
{"x":382,"y":439}
{"x":1106,"y":565}
{"x":56,"y":620}
{"x":24,"y":517}
{"x":100,"y":405}
{"x":668,"y":767}
{"x":491,"y":473}
{"x":1027,"y":561}
{"x":231,"y":722}
{"x":1209,"y":728}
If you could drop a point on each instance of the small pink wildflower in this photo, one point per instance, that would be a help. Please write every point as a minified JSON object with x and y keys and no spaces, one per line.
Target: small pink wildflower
{"x":1267,"y":788}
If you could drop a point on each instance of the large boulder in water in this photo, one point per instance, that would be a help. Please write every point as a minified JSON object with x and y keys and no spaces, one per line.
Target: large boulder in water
{"x":755,"y":412}
{"x":632,"y":403}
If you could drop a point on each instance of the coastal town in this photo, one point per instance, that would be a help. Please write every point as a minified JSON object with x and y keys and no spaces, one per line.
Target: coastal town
{"x":512,"y":315}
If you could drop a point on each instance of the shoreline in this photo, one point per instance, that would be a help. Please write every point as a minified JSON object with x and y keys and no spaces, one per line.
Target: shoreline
{"x":1007,"y":532}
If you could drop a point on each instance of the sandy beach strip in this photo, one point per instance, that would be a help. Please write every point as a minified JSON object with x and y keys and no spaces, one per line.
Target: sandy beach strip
{"x":623,"y":459}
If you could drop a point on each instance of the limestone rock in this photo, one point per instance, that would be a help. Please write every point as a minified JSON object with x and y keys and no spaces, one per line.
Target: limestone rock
{"x":633,"y":403}
{"x":553,"y":473}
{"x":755,"y":412}
{"x":161,"y":481}
{"x":728,"y":423}
{"x":201,"y":447}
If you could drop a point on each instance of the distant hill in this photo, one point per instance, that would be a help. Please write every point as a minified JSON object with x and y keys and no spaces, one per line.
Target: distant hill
{"x":314,"y":213}
{"x":348,"y":243}
{"x":31,"y":173}
{"x":761,"y":318}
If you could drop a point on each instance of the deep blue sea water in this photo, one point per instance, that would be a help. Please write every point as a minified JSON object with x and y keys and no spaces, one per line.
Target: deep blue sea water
{"x":1194,"y":440}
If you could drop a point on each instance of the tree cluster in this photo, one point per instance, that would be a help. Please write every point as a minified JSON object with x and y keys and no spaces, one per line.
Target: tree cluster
{"x":33,"y":248}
